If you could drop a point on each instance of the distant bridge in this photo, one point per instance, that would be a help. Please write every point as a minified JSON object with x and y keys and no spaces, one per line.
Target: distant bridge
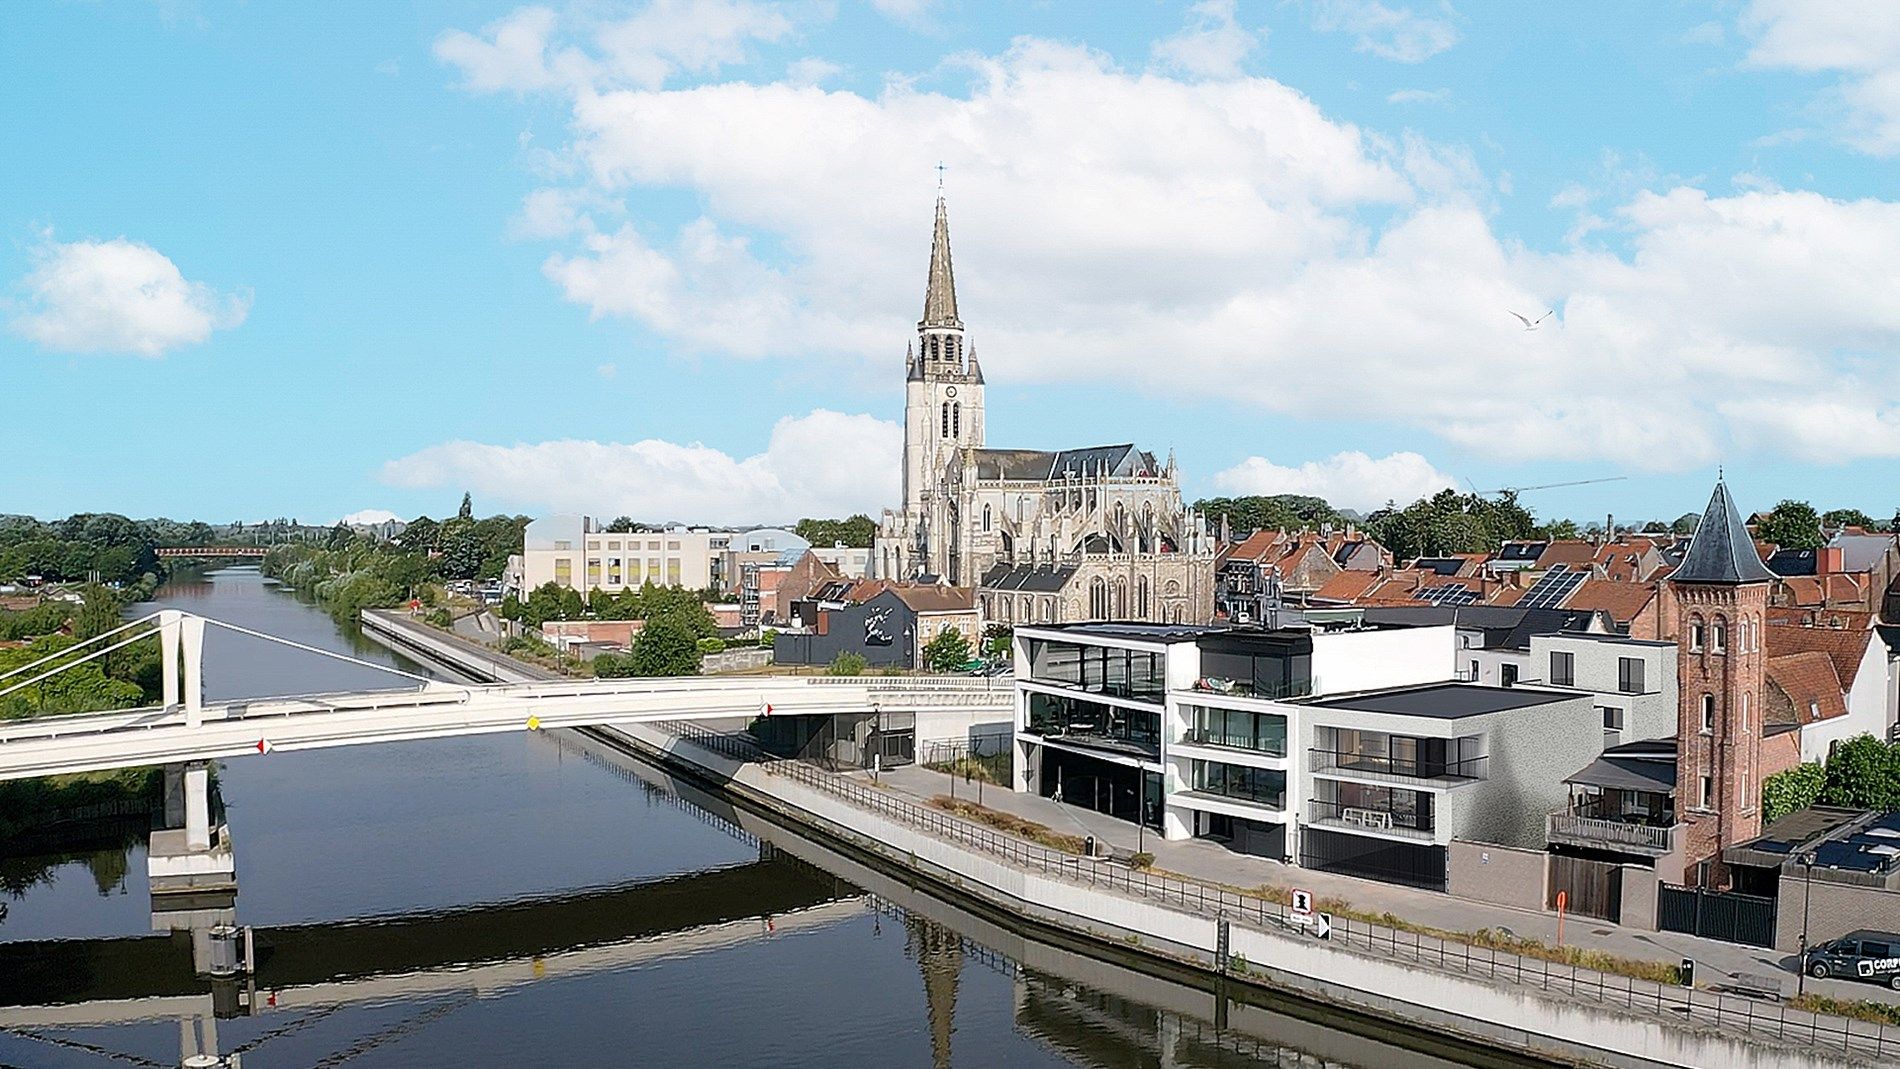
{"x":212,"y":552}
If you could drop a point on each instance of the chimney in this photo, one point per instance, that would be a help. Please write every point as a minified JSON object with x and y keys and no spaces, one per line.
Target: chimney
{"x":1827,"y":560}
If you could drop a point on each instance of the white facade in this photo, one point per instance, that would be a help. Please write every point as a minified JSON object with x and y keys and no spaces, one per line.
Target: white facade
{"x":572,"y":551}
{"x":1867,"y":707}
{"x":1632,"y":682}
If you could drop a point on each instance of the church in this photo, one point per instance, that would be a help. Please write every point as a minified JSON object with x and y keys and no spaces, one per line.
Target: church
{"x":1095,"y":533}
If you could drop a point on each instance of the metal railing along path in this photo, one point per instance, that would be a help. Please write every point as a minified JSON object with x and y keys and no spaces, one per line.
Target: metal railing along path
{"x":1770,"y":1020}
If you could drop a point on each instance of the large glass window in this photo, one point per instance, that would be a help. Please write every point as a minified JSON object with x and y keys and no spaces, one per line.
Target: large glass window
{"x":1239,"y":728}
{"x":1629,"y":675}
{"x":1563,"y":668}
{"x":1275,"y":668}
{"x":1085,"y":722}
{"x":1121,"y":673}
{"x":1264,"y":786}
{"x":1373,"y":807}
{"x":1377,"y":753}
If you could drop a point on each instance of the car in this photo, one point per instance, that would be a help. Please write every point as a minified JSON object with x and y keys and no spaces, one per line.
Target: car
{"x":1870,"y":956}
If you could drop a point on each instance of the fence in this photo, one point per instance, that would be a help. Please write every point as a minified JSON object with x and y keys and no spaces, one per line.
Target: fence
{"x":1710,"y":1008}
{"x":1725,"y":915}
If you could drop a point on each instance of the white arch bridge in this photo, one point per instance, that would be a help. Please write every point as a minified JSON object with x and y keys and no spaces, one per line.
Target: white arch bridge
{"x":186,"y":728}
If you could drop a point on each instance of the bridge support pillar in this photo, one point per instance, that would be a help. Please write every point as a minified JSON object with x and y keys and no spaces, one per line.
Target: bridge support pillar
{"x":174,"y":796}
{"x":197,"y":790}
{"x":168,"y":636}
{"x":192,"y":641}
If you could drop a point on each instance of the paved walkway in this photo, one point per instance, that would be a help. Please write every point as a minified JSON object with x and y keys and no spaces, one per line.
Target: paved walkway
{"x":1716,"y":961}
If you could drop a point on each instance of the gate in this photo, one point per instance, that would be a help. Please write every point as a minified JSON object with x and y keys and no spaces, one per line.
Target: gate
{"x":1591,"y":888}
{"x":1724,"y":915}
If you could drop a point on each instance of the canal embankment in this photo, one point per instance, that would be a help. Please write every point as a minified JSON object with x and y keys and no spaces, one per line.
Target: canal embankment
{"x":1467,"y":995}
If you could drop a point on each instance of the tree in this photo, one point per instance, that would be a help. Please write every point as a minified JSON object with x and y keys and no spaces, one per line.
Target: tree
{"x":1685,"y":523}
{"x":621,"y":525}
{"x":1791,"y":525}
{"x":1450,"y":522}
{"x":462,"y":551}
{"x":1791,"y":791}
{"x":1279,"y":512}
{"x":665,"y":647}
{"x":948,"y":652}
{"x":101,"y":612}
{"x":857,"y":531}
{"x":419,"y":536}
{"x":1848,"y":518}
{"x":1560,"y":530}
{"x":1863,"y":773}
{"x":467,"y":511}
{"x":998,"y":639}
{"x":1655,"y":527}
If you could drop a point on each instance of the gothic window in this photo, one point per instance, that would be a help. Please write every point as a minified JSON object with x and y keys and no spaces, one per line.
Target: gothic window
{"x":956,"y":420}
{"x":1029,"y":609}
{"x":946,"y":419}
{"x":1098,"y":598}
{"x":1708,"y":714}
{"x":1141,"y":598}
{"x":1121,"y":599}
{"x":1048,"y":610}
{"x":986,"y":518}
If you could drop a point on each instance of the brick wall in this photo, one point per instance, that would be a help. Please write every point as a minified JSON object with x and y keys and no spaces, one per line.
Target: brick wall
{"x":1835,"y":910}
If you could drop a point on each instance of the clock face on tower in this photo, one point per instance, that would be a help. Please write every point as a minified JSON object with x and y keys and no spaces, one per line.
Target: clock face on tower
{"x":949,"y":391}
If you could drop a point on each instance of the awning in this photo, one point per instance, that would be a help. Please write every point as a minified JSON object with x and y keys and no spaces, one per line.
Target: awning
{"x":1627,"y":774}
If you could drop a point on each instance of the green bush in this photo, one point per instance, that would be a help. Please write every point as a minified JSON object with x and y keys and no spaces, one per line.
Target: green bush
{"x":1793,"y":790}
{"x":847,"y":664}
{"x":714,"y":644}
{"x":767,"y":637}
{"x":441,"y":618}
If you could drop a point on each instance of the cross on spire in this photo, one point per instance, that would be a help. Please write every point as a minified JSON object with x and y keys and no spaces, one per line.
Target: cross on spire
{"x":940,"y":176}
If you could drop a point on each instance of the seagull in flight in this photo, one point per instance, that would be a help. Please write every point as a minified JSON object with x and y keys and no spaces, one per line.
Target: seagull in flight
{"x":1533,"y":324}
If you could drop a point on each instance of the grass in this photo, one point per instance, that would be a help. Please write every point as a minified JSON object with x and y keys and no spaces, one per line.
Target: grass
{"x":1484,"y":938}
{"x":1041,"y":834}
{"x":1858,"y":1009}
{"x":991,"y":769}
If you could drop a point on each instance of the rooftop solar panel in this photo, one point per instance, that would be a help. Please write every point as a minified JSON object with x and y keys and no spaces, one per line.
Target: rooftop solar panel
{"x":1550,"y":591}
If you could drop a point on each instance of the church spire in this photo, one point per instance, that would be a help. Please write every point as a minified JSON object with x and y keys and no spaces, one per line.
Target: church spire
{"x":940,"y":296}
{"x":1721,"y":550}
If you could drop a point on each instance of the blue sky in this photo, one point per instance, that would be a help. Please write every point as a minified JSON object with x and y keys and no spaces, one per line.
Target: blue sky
{"x":664,"y":258}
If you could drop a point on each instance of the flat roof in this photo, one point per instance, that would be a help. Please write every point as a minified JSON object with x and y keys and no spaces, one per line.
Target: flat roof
{"x":1137,"y":631}
{"x":1597,"y":636}
{"x":1443,"y":701}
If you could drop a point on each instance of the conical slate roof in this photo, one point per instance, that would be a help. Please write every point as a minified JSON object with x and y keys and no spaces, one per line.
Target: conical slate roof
{"x":940,"y":296}
{"x":1722,"y":550}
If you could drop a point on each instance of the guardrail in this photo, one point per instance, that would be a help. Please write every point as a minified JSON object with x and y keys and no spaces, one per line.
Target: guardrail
{"x":1721,"y":1011}
{"x":1569,"y":827}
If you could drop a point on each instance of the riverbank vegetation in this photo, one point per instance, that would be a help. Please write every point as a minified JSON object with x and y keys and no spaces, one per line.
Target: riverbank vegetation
{"x":122,"y":679}
{"x":349,"y":572}
{"x":91,"y":546}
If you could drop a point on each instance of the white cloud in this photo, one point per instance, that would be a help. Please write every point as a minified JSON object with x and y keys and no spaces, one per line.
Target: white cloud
{"x":367,"y":516}
{"x":1706,"y":33}
{"x":825,"y":463}
{"x":913,"y":13}
{"x":1211,"y":45}
{"x":1225,"y":238}
{"x":118,"y":296}
{"x":1397,"y":34}
{"x":1346,"y":480}
{"x":1419,"y":96}
{"x":811,"y":70}
{"x":1859,"y":40}
{"x":534,"y":48}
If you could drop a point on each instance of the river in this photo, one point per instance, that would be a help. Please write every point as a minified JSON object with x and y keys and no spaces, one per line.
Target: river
{"x":540,"y":899}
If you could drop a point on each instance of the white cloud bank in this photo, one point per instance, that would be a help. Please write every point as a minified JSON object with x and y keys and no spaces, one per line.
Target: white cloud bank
{"x":1398,"y":34}
{"x":822,"y":464}
{"x":117,"y":296}
{"x":1218,"y":236}
{"x":1346,"y":480}
{"x":1857,"y":40}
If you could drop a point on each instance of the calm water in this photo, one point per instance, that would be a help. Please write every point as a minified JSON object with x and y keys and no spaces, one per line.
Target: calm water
{"x":544,"y":900}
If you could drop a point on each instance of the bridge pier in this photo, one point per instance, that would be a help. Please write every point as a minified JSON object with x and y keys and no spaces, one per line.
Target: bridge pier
{"x":181,"y":647}
{"x":192,"y":853}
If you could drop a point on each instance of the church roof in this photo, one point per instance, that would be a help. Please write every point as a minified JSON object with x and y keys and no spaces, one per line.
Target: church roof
{"x":1721,"y":551}
{"x":1124,"y":461}
{"x":1043,"y":579}
{"x":940,"y":295}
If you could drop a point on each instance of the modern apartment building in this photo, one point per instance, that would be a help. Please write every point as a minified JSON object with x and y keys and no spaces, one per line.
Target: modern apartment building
{"x":1339,"y":745}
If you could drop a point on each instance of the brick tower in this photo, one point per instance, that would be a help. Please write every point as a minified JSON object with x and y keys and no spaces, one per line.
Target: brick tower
{"x":1720,"y":596}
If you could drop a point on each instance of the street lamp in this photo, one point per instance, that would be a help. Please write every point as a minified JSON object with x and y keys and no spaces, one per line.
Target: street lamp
{"x":1807,"y":894}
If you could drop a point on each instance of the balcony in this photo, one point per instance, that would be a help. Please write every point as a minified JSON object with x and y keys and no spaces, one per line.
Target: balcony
{"x":1390,"y":822}
{"x":1253,"y":744}
{"x":1633,"y":835}
{"x":1299,"y":688}
{"x":1387,"y":769}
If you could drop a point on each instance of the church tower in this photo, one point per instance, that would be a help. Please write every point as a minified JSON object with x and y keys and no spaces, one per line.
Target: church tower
{"x":943,"y":413}
{"x":1721,"y":605}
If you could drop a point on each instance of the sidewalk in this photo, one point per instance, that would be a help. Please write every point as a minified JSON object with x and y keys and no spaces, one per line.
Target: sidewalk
{"x":1716,"y":961}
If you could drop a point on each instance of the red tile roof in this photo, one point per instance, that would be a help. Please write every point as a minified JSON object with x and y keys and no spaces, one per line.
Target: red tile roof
{"x":1811,"y":684}
{"x":1842,"y":647}
{"x":1623,"y":601}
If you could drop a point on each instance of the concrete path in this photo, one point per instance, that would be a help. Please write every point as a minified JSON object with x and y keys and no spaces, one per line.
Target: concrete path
{"x":1716,"y":961}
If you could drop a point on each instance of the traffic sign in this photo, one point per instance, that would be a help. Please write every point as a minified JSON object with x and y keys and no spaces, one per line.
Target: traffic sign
{"x":1323,"y":925}
{"x":263,"y":746}
{"x":1302,"y":906}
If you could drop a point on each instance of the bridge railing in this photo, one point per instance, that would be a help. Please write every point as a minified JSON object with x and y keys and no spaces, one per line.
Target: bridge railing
{"x":1718,"y":1009}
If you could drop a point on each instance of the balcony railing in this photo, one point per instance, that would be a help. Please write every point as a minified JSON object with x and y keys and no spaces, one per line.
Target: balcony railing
{"x":1264,"y":747}
{"x":1632,"y":835}
{"x":1353,"y":818}
{"x":1397,"y":769}
{"x":1300,"y":688}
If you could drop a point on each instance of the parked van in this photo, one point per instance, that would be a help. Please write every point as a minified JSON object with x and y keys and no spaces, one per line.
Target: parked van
{"x":1871,"y":956}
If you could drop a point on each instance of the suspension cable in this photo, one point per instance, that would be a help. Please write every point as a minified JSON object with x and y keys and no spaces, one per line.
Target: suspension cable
{"x":321,"y":652}
{"x":82,"y":644}
{"x":90,"y":656}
